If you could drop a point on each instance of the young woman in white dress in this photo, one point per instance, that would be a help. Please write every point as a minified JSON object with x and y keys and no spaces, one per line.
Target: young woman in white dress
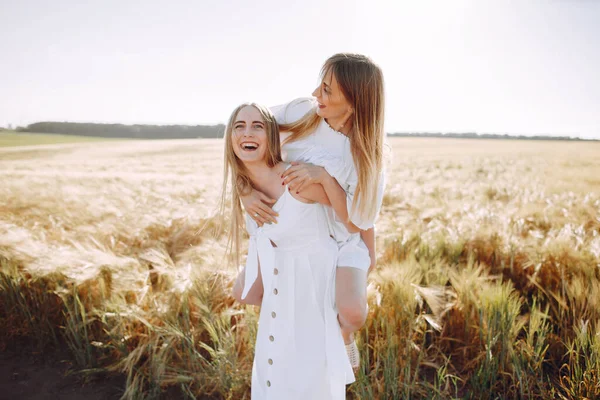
{"x":339,"y":135}
{"x":290,"y":269}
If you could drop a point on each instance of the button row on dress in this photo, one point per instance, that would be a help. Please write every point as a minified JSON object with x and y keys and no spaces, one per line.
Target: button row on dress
{"x":272,"y":338}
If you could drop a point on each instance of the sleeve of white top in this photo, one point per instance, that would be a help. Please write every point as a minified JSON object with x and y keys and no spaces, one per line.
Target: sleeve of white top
{"x":334,"y":166}
{"x":292,"y":111}
{"x":355,"y":216}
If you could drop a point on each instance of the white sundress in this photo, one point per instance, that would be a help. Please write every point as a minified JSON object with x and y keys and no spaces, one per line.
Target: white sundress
{"x":299,"y":352}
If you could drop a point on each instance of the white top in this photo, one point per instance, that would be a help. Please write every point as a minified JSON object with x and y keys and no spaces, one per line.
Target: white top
{"x":299,"y":352}
{"x":330,"y":149}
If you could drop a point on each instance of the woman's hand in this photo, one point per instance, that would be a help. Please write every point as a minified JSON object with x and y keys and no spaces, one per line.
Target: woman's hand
{"x":302,"y":175}
{"x":258,"y":206}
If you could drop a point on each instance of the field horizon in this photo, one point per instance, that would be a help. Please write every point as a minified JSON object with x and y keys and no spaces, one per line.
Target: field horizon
{"x":161,"y":132}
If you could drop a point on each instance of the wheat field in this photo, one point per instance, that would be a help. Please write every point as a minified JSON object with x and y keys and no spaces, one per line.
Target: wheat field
{"x":487,"y":285}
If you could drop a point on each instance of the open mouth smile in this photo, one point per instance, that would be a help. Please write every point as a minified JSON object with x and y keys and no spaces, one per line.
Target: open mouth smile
{"x":249,"y":146}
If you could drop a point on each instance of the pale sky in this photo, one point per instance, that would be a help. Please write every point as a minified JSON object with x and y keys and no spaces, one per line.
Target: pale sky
{"x":450,"y":66}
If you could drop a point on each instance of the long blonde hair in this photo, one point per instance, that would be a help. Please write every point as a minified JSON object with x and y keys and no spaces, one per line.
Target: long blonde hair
{"x":236,"y":172}
{"x":361,"y":83}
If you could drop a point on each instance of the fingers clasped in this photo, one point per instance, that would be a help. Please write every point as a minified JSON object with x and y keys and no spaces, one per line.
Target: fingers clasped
{"x":301,"y":175}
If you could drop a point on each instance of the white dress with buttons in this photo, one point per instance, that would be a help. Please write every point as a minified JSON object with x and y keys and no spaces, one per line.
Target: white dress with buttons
{"x":299,"y":352}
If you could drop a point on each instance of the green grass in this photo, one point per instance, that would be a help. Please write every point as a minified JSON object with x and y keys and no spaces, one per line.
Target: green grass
{"x":11,"y":139}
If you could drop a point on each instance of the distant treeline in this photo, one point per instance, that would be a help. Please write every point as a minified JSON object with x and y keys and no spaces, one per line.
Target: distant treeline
{"x":127,"y":131}
{"x":473,"y":135}
{"x":217,"y":131}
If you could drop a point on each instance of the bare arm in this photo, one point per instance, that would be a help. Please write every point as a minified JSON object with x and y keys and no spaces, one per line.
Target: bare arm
{"x":315,"y":193}
{"x":368,"y":237}
{"x":337,"y":197}
{"x":255,"y":294}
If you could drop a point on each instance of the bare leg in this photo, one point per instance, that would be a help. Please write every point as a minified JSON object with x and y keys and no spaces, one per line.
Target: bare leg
{"x":351,"y":300}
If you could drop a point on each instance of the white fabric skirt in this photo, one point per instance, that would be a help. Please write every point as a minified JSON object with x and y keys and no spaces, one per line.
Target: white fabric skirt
{"x":300,"y":352}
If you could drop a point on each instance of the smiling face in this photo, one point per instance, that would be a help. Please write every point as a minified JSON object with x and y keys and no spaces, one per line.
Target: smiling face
{"x":249,"y":136}
{"x":331,"y":101}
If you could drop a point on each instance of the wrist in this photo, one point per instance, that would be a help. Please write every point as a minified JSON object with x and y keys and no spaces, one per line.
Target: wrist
{"x":325,"y":178}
